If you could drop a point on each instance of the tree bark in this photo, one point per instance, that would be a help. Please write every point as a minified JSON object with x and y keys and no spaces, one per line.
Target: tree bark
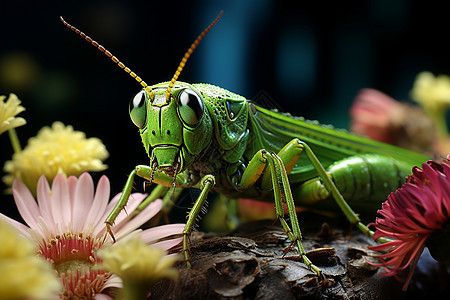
{"x":256,"y":262}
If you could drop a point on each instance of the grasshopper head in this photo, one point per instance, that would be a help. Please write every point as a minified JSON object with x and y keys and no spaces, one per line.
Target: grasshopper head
{"x":174,"y":124}
{"x":174,"y":132}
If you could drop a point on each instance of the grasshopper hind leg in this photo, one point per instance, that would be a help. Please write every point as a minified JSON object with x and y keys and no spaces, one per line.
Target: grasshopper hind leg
{"x":277,"y":180}
{"x":331,"y":189}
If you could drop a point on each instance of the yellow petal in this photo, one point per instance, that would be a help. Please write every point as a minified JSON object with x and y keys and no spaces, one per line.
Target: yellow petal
{"x":57,"y":149}
{"x":23,"y":274}
{"x":8,"y":112}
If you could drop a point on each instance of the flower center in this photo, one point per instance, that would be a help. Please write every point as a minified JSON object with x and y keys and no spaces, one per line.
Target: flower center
{"x":73,"y":257}
{"x":69,"y":247}
{"x":71,"y":265}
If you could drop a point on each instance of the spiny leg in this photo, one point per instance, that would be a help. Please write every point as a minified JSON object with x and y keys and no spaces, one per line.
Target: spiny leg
{"x":157,"y":192}
{"x":123,"y":200}
{"x":207,"y":183}
{"x":352,"y":217}
{"x":169,"y":197}
{"x":169,"y":201}
{"x":289,"y":155}
{"x":278,"y":181}
{"x":278,"y":171}
{"x":144,"y":172}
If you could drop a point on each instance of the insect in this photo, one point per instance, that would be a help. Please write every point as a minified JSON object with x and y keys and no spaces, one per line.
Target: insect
{"x":200,"y":135}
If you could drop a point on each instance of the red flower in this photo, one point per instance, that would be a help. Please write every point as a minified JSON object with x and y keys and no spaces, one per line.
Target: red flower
{"x":414,"y":215}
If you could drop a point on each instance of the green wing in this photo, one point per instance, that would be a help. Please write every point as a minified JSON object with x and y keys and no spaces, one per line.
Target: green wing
{"x":271,"y":130}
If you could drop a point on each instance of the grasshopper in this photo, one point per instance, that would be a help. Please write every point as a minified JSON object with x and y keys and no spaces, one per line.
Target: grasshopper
{"x":200,"y":135}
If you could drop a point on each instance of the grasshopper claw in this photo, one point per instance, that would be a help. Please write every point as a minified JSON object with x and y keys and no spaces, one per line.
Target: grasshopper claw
{"x":109,"y":230}
{"x":186,"y":250}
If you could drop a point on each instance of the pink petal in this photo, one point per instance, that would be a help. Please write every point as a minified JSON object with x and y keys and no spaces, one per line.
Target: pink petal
{"x":43,"y":199}
{"x":411,"y":272}
{"x":84,"y":195}
{"x":134,"y":200}
{"x":60,"y":201}
{"x":113,"y":281}
{"x":384,"y":246}
{"x":72,"y":182}
{"x":112,"y":204}
{"x":100,"y":230}
{"x":158,"y":232}
{"x":103,"y":297}
{"x":100,"y":202}
{"x":19,"y":226}
{"x":415,"y":250}
{"x":165,"y":245}
{"x":26,"y":204}
{"x":128,"y":225}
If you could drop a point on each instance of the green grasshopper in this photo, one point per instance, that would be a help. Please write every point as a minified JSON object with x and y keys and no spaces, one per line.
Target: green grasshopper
{"x":200,"y":135}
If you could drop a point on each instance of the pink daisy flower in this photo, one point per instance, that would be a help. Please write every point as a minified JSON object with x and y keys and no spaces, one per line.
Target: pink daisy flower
{"x":67,"y":226}
{"x":380,"y":117}
{"x":414,"y":216}
{"x":372,"y":114}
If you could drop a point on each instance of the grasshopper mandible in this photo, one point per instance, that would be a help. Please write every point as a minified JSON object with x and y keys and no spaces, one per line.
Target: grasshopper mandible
{"x":199,"y":135}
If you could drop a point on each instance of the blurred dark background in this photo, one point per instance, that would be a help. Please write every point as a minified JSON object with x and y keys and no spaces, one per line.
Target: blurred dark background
{"x":311,"y":58}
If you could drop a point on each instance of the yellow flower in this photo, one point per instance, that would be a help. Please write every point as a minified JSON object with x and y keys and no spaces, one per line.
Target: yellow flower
{"x":8,"y":112}
{"x":431,"y":92}
{"x":23,"y":274}
{"x":55,"y":150}
{"x":138,"y":265}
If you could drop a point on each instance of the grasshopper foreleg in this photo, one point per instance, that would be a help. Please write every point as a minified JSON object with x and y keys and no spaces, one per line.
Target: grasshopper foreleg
{"x":207,"y":183}
{"x":123,"y":200}
{"x":158,"y":192}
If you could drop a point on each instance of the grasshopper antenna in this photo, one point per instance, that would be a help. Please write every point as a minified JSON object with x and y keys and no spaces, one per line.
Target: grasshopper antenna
{"x":187,"y":55}
{"x":109,"y":54}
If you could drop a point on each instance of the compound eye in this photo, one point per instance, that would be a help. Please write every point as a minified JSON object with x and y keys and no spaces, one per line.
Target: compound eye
{"x":190,"y":107}
{"x":138,"y":109}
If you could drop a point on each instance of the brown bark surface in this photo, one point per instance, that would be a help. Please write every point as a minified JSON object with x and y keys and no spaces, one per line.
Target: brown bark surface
{"x":249,"y":263}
